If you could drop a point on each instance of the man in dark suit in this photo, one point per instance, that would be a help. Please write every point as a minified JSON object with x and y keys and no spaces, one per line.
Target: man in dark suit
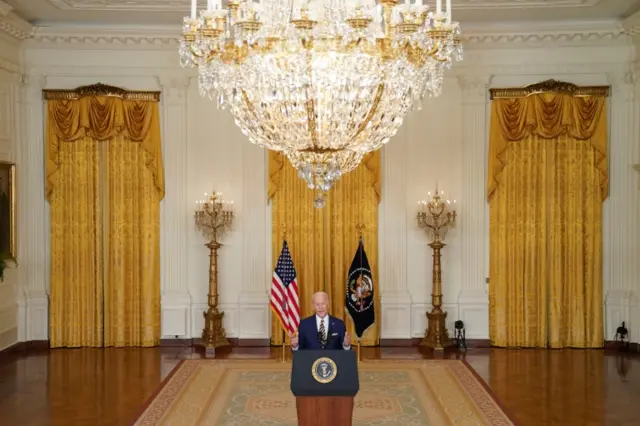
{"x":321,"y":330}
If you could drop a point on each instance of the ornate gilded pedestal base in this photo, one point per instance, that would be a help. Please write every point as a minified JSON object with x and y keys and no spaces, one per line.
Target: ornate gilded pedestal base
{"x":437,"y":336}
{"x":213,"y":335}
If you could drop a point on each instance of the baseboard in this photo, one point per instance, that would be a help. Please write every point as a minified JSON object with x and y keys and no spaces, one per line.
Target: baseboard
{"x":22,"y":348}
{"x":471,"y":343}
{"x":242,"y":343}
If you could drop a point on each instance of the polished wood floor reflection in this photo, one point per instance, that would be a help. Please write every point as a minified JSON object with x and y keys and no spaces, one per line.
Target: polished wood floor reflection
{"x":107,"y":387}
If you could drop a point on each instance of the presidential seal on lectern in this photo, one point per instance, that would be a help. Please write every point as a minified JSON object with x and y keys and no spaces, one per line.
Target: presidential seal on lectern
{"x":324,"y":370}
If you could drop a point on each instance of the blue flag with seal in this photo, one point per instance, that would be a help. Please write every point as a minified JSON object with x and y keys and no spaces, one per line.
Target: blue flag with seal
{"x":360,"y":292}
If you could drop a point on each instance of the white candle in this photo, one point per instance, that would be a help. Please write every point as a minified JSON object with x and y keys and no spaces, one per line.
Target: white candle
{"x":194,"y":6}
{"x":438,"y":6}
{"x":209,"y":5}
{"x":449,"y":10}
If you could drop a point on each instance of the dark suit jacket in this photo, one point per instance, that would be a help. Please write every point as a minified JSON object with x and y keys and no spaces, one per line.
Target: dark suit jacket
{"x":308,"y":334}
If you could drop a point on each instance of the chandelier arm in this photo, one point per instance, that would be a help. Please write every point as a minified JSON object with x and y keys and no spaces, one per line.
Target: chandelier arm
{"x":372,"y":111}
{"x":194,"y":52}
{"x":311,"y":120}
{"x":311,"y":107}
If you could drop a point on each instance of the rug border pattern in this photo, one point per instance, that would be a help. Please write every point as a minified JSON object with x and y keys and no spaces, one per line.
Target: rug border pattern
{"x":167,"y":393}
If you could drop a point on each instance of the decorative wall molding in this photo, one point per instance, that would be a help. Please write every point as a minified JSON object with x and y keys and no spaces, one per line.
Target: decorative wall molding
{"x":174,"y":217}
{"x":620,"y":305}
{"x":473,"y":211}
{"x":631,"y":24}
{"x":10,"y":67}
{"x":5,"y":8}
{"x":620,"y":227}
{"x":182,"y":6}
{"x":392,"y":241}
{"x":253,"y":302}
{"x":14,"y":26}
{"x":125,"y":5}
{"x":474,"y":36}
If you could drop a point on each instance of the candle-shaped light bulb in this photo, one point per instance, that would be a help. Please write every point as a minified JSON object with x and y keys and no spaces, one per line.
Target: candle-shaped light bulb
{"x":449,"y":10}
{"x":438,"y":6}
{"x":210,"y":5}
{"x":194,"y":8}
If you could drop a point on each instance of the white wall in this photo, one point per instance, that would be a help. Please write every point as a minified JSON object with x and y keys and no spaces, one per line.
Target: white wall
{"x":445,"y":142}
{"x":10,"y":86}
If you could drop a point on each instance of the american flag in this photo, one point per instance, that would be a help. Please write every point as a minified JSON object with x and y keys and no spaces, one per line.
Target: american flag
{"x":284,"y":291}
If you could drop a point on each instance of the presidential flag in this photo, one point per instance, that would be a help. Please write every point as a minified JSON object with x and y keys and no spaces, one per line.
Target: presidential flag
{"x":360,"y":293}
{"x":284,"y":291}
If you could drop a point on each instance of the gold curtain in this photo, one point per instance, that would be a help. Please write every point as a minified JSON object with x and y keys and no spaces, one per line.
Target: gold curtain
{"x":547,"y":180}
{"x":104,"y":182}
{"x":324,"y":241}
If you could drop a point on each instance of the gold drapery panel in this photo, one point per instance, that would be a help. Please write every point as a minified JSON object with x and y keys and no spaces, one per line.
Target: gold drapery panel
{"x":77,"y":279}
{"x":104,"y":182}
{"x":324,"y":241}
{"x":547,"y":180}
{"x":132,"y":297}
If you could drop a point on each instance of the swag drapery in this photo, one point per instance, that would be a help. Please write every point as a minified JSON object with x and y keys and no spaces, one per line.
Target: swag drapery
{"x":324,"y":241}
{"x":104,"y":183}
{"x":547,"y":180}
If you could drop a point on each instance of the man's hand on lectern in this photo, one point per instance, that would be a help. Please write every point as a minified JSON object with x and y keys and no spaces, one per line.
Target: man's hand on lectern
{"x":346,"y":343}
{"x":294,"y":339}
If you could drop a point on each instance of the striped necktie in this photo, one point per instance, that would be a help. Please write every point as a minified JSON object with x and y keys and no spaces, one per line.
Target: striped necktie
{"x":323,"y":332}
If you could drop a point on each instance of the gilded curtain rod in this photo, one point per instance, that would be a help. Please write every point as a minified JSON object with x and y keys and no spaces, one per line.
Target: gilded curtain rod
{"x":100,"y":89}
{"x":549,"y":86}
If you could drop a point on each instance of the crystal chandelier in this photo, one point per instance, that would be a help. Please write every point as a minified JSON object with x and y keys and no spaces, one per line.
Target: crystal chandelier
{"x":322,"y":81}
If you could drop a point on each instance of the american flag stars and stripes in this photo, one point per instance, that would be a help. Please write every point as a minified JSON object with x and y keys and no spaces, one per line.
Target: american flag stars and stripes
{"x":284,"y":291}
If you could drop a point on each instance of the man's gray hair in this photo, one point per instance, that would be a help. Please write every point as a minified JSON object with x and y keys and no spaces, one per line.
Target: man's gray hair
{"x":320,"y":293}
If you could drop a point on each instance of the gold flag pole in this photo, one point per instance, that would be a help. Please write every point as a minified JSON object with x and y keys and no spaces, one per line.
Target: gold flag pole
{"x":360,"y":227}
{"x":284,"y":333}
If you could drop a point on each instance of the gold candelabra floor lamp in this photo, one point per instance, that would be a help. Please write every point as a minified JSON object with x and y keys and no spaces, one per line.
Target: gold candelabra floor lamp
{"x":436,"y":217}
{"x":213,"y":218}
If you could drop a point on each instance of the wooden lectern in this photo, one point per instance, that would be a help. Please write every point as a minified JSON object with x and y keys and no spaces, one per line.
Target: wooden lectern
{"x":324,"y":410}
{"x":324,"y":383}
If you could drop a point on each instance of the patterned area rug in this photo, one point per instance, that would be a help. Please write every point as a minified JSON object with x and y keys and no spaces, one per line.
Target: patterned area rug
{"x":256,"y":393}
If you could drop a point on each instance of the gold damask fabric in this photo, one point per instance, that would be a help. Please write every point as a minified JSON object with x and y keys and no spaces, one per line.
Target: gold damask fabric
{"x":548,"y":115}
{"x":104,"y":182}
{"x":324,"y":241}
{"x":103,"y":118}
{"x":548,"y":178}
{"x":132,"y":293}
{"x":77,"y":279}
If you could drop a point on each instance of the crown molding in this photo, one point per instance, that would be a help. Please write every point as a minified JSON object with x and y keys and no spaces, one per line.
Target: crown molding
{"x":478,"y":36}
{"x":546,"y":33}
{"x":13,"y":25}
{"x":632,"y":25}
{"x":5,"y":8}
{"x":182,"y":6}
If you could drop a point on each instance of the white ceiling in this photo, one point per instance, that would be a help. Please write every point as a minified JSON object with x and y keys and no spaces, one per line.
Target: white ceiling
{"x":170,"y":12}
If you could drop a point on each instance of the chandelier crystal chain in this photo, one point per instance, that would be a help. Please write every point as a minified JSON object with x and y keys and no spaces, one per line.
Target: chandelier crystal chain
{"x":322,"y":81}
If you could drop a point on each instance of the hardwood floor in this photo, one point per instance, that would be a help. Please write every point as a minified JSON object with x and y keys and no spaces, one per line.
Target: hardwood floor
{"x":72,"y":387}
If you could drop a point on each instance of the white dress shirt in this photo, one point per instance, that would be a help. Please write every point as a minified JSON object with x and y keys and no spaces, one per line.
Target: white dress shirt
{"x":326,"y":325}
